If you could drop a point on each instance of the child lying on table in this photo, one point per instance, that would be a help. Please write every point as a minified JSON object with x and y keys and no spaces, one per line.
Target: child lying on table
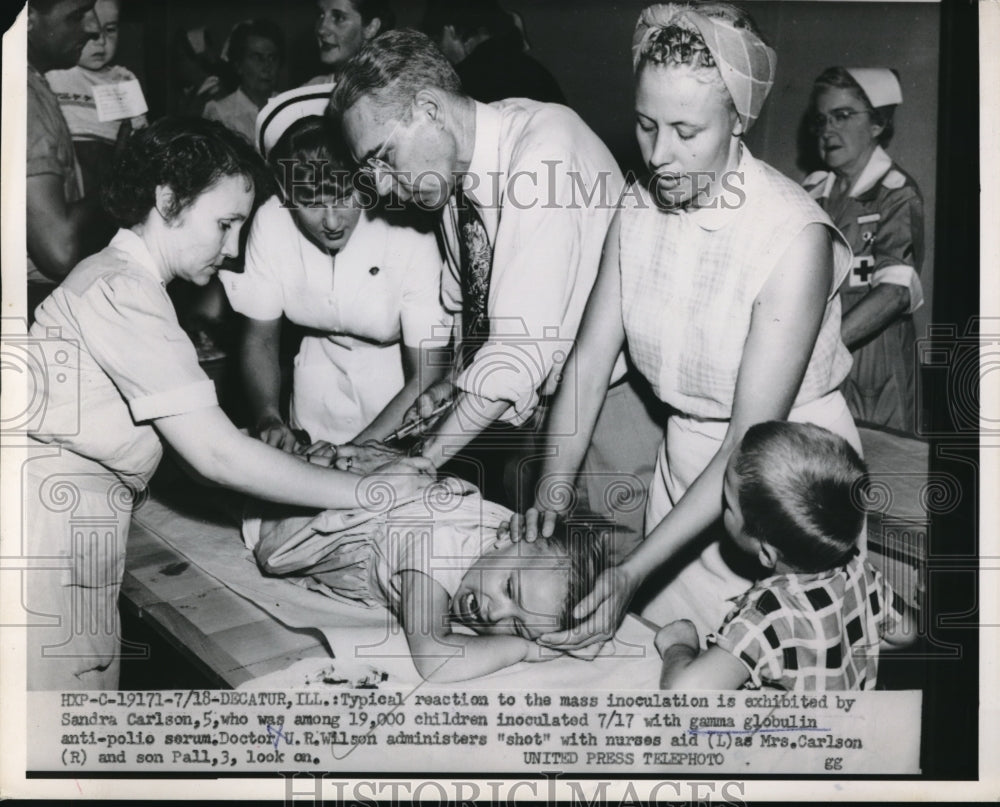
{"x":468,"y":602}
{"x":792,"y":497}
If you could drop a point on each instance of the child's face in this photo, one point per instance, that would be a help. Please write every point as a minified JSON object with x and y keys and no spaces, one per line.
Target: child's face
{"x":99,"y":52}
{"x":517,"y":589}
{"x":732,"y":516}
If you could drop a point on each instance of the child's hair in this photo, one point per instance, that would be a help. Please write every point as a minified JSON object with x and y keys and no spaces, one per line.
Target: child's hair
{"x":311,"y":161}
{"x":582,"y":540}
{"x":801,"y":490}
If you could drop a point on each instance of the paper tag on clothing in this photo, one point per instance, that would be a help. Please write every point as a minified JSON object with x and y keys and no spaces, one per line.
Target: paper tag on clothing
{"x":870,"y":218}
{"x":119,"y":101}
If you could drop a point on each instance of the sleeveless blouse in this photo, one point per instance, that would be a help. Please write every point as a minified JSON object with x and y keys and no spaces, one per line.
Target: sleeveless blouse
{"x":689,"y":280}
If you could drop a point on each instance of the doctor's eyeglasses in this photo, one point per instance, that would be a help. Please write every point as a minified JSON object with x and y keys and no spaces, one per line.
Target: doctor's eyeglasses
{"x":374,"y":164}
{"x":836,"y":120}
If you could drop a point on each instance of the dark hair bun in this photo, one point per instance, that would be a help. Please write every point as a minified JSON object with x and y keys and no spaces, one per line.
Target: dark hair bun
{"x":188,"y":155}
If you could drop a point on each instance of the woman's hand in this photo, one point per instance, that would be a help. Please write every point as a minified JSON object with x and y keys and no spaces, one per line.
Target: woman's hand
{"x":431,"y":399}
{"x":529,"y":526}
{"x":606,"y":606}
{"x":364,"y":458}
{"x":405,"y":476}
{"x":275,"y":432}
{"x":554,"y":499}
{"x":319,"y":453}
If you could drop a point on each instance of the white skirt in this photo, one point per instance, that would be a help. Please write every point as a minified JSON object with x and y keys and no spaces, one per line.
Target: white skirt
{"x":701,"y":589}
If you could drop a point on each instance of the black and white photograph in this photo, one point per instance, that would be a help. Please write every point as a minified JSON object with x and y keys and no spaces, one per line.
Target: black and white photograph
{"x":499,"y":401}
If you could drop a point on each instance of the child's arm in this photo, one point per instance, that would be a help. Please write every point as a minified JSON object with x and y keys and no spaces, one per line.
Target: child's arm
{"x":438,"y":653}
{"x":685,"y":667}
{"x":902,"y":632}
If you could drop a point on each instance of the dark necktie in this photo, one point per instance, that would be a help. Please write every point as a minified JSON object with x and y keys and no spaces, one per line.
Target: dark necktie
{"x":477,"y":261}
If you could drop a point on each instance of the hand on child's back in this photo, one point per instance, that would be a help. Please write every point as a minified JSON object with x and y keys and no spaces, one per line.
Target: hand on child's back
{"x":406,"y":476}
{"x":365,"y":457}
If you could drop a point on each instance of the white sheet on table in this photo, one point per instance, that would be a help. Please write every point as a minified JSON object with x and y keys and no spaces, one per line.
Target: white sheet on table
{"x":363,"y":639}
{"x":630,"y":662}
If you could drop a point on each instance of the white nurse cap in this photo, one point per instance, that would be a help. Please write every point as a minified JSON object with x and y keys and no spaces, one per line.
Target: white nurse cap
{"x":879,"y":84}
{"x":283,"y":110}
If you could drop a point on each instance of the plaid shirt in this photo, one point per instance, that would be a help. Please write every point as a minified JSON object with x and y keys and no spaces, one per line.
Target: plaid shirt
{"x":689,"y":280}
{"x":813,"y":632}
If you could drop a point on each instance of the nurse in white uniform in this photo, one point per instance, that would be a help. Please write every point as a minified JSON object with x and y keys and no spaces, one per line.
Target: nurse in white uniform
{"x":125,"y":380}
{"x":366,"y":290}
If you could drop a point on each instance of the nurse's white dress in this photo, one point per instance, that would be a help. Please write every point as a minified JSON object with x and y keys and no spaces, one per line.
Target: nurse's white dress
{"x":113,"y":361}
{"x":382,"y":289}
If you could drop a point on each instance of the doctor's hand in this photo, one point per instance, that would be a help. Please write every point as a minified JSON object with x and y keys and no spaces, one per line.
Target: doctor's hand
{"x":394,"y":481}
{"x":364,"y":458}
{"x":604,"y":609}
{"x":431,"y":399}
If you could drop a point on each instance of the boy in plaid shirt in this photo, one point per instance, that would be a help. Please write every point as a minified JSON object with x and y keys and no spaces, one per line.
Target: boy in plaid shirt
{"x":816,"y":623}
